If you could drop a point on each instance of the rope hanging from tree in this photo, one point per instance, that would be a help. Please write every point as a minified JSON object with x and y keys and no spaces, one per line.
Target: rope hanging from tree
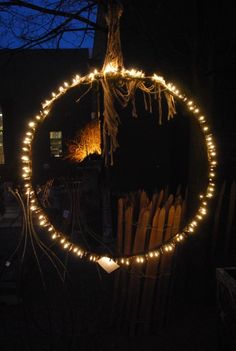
{"x":120,"y":89}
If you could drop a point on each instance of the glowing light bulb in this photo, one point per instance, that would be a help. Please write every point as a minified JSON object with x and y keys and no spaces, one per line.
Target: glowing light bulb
{"x":110,"y":69}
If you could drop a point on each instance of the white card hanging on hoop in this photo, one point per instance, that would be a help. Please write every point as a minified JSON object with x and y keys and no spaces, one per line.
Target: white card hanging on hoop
{"x":108,"y":264}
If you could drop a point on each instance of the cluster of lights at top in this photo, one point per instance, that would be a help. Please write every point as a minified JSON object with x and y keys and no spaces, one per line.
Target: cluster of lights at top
{"x":111,"y":72}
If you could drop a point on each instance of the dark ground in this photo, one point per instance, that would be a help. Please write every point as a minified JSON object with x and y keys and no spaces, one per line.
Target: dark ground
{"x":77,"y":314}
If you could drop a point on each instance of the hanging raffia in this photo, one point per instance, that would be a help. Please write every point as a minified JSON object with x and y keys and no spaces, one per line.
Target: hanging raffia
{"x":113,"y":58}
{"x":120,"y":89}
{"x":114,"y":55}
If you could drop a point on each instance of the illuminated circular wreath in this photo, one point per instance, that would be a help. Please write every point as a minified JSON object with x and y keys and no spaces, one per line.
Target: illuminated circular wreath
{"x":111,"y":73}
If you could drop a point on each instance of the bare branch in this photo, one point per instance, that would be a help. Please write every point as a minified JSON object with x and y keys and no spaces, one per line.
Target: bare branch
{"x":54,"y":12}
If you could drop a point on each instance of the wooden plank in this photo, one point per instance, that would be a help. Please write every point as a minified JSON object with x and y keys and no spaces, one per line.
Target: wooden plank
{"x":164,"y":271}
{"x":119,"y":275}
{"x":122,"y":279}
{"x":135,"y":279}
{"x":170,"y":221}
{"x":160,"y":198}
{"x":151,"y":270}
{"x":177,"y":220}
{"x":128,"y":229}
{"x":144,"y":200}
{"x":124,"y":288}
{"x":172,"y":269}
{"x":154,"y":205}
{"x":169,"y":202}
{"x":138,"y":239}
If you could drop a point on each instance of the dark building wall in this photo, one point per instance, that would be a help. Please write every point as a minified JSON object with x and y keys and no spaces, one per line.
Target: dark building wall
{"x":27,"y":79}
{"x":193,"y":44}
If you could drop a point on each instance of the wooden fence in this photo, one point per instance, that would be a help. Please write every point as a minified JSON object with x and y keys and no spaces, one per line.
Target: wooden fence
{"x":141,"y":294}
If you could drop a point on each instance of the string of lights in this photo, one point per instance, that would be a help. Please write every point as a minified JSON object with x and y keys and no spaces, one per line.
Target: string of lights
{"x":112,"y":73}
